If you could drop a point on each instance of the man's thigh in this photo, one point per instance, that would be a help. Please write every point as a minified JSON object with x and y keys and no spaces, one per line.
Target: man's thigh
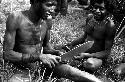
{"x":19,"y":78}
{"x":69,"y":72}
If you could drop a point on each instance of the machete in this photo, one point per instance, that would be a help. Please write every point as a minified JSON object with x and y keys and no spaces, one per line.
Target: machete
{"x":69,"y":56}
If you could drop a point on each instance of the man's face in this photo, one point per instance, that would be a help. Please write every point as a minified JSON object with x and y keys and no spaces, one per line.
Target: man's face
{"x":48,"y":8}
{"x":99,"y":11}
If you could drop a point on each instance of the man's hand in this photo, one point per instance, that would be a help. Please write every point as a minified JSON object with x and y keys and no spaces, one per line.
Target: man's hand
{"x":82,"y":56}
{"x":58,"y":53}
{"x":49,"y":60}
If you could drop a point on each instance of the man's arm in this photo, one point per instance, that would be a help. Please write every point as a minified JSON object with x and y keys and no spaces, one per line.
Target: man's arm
{"x":106,"y":52}
{"x":83,"y":37}
{"x":47,"y":48}
{"x":80,"y":40}
{"x":101,"y":54}
{"x":9,"y":42}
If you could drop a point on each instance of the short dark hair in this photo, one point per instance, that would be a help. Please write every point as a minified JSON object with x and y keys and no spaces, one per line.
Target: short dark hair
{"x":32,"y":1}
{"x":92,"y":2}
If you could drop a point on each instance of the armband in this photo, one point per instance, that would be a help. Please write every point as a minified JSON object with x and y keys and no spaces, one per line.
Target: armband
{"x":30,"y":57}
{"x":54,"y":52}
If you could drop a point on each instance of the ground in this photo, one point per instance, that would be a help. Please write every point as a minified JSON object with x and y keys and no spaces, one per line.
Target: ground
{"x":64,"y":30}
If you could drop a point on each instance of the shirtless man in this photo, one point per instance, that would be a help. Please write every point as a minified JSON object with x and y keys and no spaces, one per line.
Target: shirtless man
{"x":102,"y":32}
{"x":27,"y":32}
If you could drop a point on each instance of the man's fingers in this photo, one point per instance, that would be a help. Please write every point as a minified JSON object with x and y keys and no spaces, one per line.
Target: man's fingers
{"x":59,"y":53}
{"x":77,"y":57}
{"x":48,"y":64}
{"x":58,"y":58}
{"x":52,"y":63}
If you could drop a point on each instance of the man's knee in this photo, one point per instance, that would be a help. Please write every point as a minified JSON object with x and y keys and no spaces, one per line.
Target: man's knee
{"x":19,"y":78}
{"x":62,"y":69}
{"x":120,"y":69}
{"x":66,"y":71}
{"x":92,"y":63}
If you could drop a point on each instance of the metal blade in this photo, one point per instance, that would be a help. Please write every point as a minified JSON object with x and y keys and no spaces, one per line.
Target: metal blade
{"x":68,"y":56}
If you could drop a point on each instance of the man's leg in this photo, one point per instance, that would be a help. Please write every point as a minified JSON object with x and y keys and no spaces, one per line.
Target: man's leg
{"x":69,"y":72}
{"x":92,"y":64}
{"x":19,"y":78}
{"x":120,"y":69}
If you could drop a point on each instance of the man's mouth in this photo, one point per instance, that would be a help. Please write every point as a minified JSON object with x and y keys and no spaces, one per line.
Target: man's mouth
{"x":98,"y":15}
{"x":47,"y":13}
{"x":50,"y":14}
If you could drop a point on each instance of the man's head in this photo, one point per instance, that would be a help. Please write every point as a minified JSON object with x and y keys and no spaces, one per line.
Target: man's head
{"x":99,"y":11}
{"x":44,"y":7}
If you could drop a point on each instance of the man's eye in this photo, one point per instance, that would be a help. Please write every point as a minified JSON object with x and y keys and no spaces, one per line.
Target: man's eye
{"x":94,"y":8}
{"x":101,"y":8}
{"x":49,"y":5}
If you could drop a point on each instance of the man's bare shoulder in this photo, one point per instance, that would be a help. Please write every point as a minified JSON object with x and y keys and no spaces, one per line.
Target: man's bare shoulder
{"x":14,"y":15}
{"x":110,"y":27}
{"x":111,"y":21}
{"x":12,"y":19}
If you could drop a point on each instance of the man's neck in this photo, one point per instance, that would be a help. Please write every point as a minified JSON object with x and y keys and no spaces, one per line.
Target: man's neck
{"x":102,"y":20}
{"x":33,"y":16}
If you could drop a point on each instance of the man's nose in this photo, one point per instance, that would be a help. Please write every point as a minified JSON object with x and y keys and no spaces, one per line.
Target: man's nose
{"x":52,"y":9}
{"x":98,"y":10}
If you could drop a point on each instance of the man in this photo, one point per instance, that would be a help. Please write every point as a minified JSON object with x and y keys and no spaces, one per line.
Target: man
{"x":27,"y":32}
{"x":102,"y":32}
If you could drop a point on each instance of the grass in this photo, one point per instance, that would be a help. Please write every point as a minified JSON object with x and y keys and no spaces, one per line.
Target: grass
{"x":64,"y":30}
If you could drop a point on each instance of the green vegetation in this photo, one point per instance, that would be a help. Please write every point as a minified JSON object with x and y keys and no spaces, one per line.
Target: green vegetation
{"x":64,"y":30}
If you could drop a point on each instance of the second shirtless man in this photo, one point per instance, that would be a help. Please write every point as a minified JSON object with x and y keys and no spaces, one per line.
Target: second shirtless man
{"x":102,"y":32}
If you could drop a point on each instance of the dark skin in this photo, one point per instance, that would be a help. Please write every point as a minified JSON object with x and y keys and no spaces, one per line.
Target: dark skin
{"x":28,"y":36}
{"x":27,"y":32}
{"x":102,"y":32}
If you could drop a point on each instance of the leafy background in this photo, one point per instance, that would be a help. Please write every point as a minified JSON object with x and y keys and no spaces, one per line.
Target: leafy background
{"x":64,"y":30}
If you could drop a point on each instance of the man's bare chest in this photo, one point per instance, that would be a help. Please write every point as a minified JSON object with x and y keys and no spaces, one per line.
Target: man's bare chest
{"x":97,"y":31}
{"x":33,"y":34}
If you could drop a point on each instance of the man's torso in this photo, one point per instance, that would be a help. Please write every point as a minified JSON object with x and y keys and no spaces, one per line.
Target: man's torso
{"x":99,"y":31}
{"x":29,"y":37}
